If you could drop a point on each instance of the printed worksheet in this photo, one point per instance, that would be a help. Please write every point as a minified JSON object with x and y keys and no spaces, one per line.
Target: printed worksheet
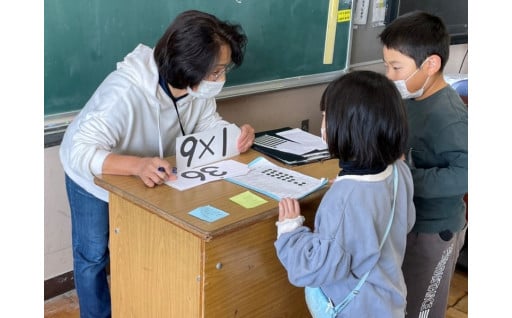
{"x":277,"y":182}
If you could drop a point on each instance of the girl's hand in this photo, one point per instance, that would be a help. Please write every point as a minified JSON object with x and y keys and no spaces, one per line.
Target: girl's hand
{"x":289,"y":216}
{"x":288,"y":209}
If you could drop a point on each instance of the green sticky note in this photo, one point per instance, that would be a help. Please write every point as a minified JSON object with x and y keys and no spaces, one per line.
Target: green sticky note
{"x":248,"y":199}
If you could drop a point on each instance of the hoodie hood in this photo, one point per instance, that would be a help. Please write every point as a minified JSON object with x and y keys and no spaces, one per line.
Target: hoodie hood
{"x":129,"y":113}
{"x":140,"y":68}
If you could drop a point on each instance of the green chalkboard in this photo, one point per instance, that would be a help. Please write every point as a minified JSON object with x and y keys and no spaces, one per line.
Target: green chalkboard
{"x":83,"y":40}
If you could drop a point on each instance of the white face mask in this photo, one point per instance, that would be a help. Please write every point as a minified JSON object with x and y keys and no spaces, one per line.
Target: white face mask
{"x":402,"y":86}
{"x":322,"y":135}
{"x":206,"y":89}
{"x":322,"y":129}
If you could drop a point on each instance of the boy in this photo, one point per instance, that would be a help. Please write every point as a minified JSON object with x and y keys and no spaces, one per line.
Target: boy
{"x":416,"y":49}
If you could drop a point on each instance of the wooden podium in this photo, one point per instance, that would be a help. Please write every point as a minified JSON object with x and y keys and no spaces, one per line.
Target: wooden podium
{"x":167,"y":263}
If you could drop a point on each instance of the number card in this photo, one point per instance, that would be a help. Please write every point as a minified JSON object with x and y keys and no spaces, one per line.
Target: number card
{"x":211,"y":172}
{"x":206,"y":147}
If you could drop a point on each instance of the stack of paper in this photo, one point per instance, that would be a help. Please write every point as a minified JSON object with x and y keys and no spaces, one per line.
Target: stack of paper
{"x":307,"y":140}
{"x":291,"y":146}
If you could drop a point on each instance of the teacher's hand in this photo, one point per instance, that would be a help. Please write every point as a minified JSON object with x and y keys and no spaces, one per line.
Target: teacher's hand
{"x":246,"y":138}
{"x":154,"y":171}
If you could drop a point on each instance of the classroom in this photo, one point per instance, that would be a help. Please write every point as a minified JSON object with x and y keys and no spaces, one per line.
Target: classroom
{"x":292,"y":55}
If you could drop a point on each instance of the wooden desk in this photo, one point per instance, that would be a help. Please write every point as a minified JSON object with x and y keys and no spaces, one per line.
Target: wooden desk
{"x":166,"y":263}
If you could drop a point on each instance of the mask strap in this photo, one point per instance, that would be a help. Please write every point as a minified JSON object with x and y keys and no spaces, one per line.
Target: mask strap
{"x":417,"y":70}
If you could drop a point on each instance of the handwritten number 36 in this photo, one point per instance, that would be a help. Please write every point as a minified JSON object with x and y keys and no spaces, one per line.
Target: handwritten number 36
{"x":210,"y":170}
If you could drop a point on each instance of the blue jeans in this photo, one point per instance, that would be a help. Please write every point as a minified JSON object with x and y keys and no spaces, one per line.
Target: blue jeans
{"x":89,"y":233}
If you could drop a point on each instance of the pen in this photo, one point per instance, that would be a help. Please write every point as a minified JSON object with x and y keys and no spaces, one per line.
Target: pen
{"x":162,"y":169}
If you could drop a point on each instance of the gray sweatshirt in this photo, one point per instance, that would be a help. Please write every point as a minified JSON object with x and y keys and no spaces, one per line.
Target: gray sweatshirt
{"x":349,"y":225}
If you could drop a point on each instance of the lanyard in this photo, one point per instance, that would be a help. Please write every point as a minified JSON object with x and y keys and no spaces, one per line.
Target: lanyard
{"x":163,"y":84}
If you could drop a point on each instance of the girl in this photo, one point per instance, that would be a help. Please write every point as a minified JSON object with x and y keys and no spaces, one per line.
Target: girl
{"x":354,"y":255}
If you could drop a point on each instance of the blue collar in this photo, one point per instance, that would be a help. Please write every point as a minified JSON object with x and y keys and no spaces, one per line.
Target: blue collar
{"x":350,"y":167}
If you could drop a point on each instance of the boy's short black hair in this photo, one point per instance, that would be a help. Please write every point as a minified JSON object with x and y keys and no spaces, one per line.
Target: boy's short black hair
{"x":189,"y":48}
{"x":418,"y":34}
{"x":366,"y":120}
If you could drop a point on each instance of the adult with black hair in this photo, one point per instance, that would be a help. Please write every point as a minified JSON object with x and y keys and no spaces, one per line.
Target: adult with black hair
{"x":131,"y":123}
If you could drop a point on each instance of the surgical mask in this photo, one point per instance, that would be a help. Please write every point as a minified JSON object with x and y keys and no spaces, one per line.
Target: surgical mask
{"x":402,"y":86}
{"x":207,"y":89}
{"x":322,"y":134}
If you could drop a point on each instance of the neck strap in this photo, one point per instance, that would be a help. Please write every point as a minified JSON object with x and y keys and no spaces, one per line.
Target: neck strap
{"x":355,"y":291}
{"x":165,"y":87}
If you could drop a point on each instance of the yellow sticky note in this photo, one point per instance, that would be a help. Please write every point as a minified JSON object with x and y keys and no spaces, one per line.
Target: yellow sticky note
{"x":248,"y":199}
{"x":344,"y":15}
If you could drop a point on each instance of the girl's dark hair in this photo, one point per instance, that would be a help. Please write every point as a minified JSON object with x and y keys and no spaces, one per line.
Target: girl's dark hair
{"x":418,"y":34}
{"x":366,"y":120}
{"x":189,"y":48}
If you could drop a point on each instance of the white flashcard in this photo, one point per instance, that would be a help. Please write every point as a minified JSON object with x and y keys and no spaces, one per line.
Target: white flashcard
{"x":206,"y":147}
{"x":208,"y":173}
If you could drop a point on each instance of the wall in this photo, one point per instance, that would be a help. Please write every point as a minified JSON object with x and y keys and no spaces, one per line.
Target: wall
{"x":263,"y":111}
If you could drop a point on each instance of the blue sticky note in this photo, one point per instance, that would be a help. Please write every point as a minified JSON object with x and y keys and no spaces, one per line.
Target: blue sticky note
{"x":208,"y":213}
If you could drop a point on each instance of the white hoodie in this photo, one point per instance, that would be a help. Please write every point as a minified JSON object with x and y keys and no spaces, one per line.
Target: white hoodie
{"x":130,"y":114}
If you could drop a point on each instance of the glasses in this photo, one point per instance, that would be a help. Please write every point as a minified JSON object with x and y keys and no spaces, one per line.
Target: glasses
{"x":214,"y":76}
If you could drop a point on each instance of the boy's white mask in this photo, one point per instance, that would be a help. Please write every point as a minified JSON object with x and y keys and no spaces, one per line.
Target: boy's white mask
{"x":402,"y":86}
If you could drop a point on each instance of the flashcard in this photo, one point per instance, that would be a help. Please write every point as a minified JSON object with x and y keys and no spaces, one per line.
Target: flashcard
{"x":206,"y":147}
{"x":208,"y":173}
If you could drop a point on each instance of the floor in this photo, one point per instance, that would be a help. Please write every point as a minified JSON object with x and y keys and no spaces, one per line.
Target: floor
{"x":66,"y":305}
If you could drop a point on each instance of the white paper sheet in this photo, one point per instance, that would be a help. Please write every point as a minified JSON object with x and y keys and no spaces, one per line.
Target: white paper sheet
{"x":274,"y":142}
{"x":304,"y":138}
{"x":208,"y":173}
